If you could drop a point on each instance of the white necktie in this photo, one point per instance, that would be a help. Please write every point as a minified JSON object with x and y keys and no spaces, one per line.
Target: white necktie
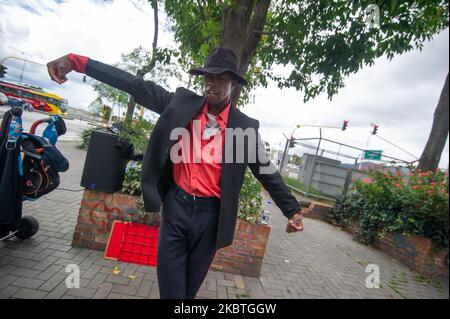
{"x":212,"y":127}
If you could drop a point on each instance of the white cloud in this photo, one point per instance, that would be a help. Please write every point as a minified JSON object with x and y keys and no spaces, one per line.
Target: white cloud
{"x":44,"y":30}
{"x":400,"y":95}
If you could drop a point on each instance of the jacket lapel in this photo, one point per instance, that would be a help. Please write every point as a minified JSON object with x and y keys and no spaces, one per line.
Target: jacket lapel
{"x":229,"y":148}
{"x":190,"y":111}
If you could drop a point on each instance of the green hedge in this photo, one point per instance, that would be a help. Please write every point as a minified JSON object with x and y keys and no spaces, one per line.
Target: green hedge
{"x":415,"y":205}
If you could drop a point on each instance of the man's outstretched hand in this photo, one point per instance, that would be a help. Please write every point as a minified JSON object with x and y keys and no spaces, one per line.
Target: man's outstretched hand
{"x":59,"y":68}
{"x":295,"y":223}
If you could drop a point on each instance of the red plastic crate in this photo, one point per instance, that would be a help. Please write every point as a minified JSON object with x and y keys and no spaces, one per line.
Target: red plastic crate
{"x":134,"y":243}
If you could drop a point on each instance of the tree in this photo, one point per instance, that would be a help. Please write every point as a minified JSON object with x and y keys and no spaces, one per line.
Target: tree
{"x":319,"y":42}
{"x":150,"y":62}
{"x":114,"y":96}
{"x":295,"y":159}
{"x":96,"y":107}
{"x":431,"y":155}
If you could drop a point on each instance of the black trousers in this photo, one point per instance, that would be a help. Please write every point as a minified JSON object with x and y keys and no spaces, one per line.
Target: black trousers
{"x":186,"y":244}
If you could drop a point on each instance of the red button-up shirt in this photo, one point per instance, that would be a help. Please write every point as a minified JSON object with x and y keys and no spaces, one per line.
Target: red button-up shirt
{"x":199,"y":171}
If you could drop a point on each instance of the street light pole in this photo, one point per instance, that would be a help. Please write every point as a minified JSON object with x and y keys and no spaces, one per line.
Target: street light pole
{"x":366,"y":147}
{"x":2,"y":61}
{"x":23,"y":67}
{"x":284,"y":156}
{"x":313,"y":165}
{"x":286,"y":148}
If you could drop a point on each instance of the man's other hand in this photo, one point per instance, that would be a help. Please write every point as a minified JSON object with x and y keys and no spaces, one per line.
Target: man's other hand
{"x":59,"y":68}
{"x":295,"y":223}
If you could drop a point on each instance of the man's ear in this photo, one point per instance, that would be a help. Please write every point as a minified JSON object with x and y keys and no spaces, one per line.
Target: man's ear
{"x":233,"y":84}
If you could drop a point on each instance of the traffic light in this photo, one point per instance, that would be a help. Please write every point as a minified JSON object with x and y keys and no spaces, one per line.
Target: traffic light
{"x":344,"y":126}
{"x":375,"y":129}
{"x":2,"y":71}
{"x":291,"y":143}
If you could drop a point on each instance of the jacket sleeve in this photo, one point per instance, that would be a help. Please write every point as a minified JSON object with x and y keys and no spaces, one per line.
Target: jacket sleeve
{"x":145,"y":93}
{"x":264,"y":170}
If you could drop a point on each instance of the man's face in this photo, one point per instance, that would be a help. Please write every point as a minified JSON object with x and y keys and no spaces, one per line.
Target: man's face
{"x":218,"y":87}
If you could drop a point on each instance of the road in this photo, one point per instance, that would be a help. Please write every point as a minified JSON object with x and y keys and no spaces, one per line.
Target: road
{"x":74,"y":127}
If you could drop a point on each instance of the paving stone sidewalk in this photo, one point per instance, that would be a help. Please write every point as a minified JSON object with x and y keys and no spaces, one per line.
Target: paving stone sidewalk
{"x":321,"y":262}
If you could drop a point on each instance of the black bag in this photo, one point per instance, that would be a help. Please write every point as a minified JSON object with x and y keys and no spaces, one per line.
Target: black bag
{"x":41,"y":164}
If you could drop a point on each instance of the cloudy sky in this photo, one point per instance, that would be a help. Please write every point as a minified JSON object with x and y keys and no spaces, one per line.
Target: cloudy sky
{"x":399,"y":95}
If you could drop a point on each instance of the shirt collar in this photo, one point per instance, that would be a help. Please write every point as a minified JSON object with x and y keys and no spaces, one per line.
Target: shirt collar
{"x":222,"y":117}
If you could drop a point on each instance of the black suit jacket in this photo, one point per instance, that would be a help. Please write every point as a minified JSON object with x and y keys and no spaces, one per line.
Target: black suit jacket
{"x":176,"y":110}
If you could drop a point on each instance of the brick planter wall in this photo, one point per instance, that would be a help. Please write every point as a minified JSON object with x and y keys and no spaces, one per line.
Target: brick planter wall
{"x":97,"y":212}
{"x":319,"y":212}
{"x":415,"y":252}
{"x":246,"y":254}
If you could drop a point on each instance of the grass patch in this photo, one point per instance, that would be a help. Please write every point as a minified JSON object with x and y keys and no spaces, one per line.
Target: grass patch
{"x":426,"y":281}
{"x":300,"y":186}
{"x":394,"y":285}
{"x":295,"y":183}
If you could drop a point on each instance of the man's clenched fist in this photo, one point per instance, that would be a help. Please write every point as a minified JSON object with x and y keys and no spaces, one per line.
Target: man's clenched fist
{"x":59,"y":68}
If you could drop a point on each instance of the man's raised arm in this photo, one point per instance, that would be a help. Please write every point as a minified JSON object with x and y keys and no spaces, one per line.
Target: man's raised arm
{"x":146,"y":93}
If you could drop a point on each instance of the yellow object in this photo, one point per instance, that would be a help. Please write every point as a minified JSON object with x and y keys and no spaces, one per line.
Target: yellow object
{"x":116,"y":270}
{"x":55,"y":102}
{"x":38,"y":96}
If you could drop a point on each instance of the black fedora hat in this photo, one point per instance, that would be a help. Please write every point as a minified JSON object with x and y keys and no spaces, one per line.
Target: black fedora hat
{"x":220,"y":60}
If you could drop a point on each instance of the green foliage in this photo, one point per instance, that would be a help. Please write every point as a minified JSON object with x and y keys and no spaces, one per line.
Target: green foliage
{"x":132,"y":180}
{"x":300,"y":186}
{"x":295,"y":159}
{"x":140,"y":216}
{"x":158,"y":68}
{"x":85,"y":137}
{"x":250,"y":199}
{"x":96,"y":107}
{"x":138,"y":133}
{"x":416,"y":205}
{"x":198,"y":29}
{"x":324,"y":41}
{"x":318,"y":42}
{"x":132,"y":186}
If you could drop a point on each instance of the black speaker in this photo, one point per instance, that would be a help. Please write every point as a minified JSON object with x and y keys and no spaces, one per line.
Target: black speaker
{"x":104,"y":168}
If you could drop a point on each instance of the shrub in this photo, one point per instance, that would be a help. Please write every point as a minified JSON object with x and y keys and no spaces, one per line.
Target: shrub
{"x":138,"y":133}
{"x":250,"y":199}
{"x":85,"y":137}
{"x":132,"y":180}
{"x":415,"y":205}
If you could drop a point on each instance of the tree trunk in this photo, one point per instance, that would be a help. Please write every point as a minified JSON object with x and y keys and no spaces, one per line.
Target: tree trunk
{"x":431,"y":155}
{"x":144,"y":70}
{"x":242,"y":33}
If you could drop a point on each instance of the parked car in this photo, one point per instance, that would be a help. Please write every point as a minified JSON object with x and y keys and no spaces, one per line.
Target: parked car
{"x":12,"y":101}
